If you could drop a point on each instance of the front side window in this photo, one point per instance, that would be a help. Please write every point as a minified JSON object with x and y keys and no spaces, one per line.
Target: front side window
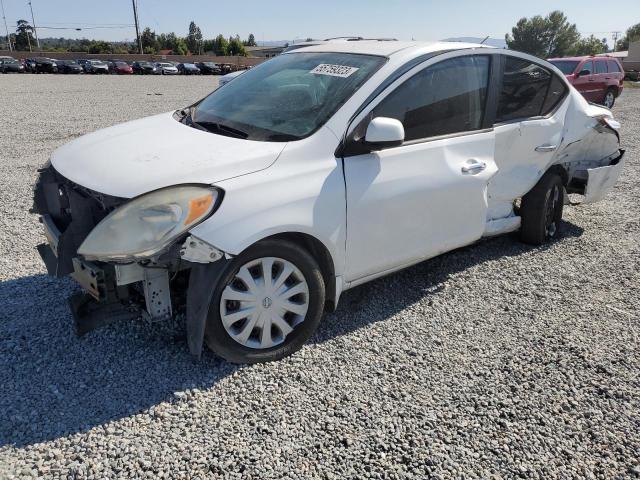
{"x":588,"y":67}
{"x":445,"y":98}
{"x":286,"y":98}
{"x":524,"y":89}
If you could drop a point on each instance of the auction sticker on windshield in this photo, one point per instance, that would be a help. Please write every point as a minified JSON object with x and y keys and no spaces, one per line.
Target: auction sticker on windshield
{"x":334,"y":70}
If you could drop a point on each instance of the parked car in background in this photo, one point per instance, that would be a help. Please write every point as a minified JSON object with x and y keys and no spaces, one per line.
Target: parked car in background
{"x":317,"y":171}
{"x":209,"y":68}
{"x":188,"y":69}
{"x":96,"y":66}
{"x":230,"y":76}
{"x":599,"y":79}
{"x":145,"y":68}
{"x":11,"y":65}
{"x":69,"y":66}
{"x":120,"y":67}
{"x":166,"y":68}
{"x":44,"y":65}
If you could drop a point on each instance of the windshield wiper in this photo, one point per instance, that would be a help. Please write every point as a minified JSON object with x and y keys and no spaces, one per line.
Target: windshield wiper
{"x":221,"y":129}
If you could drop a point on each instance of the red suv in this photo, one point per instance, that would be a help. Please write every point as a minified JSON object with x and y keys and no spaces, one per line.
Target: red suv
{"x":598,"y":79}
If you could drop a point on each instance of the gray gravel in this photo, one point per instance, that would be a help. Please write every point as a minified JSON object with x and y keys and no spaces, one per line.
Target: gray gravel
{"x":495,"y":361}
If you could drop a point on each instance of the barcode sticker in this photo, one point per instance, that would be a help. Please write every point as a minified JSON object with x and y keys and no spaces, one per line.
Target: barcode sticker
{"x":334,"y":70}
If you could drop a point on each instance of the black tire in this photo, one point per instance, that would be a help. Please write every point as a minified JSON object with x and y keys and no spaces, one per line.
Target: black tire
{"x":219,"y":340}
{"x":541,"y":210}
{"x":609,"y":96}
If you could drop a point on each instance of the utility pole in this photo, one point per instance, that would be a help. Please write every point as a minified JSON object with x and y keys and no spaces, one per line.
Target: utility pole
{"x":35,"y":31}
{"x":135,"y":19}
{"x":5,"y":25}
{"x":615,"y":36}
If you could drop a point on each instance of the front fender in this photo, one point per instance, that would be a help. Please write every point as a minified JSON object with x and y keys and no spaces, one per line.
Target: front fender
{"x":203,"y":279}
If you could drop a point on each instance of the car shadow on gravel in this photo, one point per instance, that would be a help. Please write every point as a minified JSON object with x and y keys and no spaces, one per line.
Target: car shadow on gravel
{"x":55,"y":384}
{"x":379,"y":300}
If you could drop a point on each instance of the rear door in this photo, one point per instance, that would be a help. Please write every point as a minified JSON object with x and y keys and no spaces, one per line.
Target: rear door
{"x":601,"y":79}
{"x":428,"y":195}
{"x":528,"y":129}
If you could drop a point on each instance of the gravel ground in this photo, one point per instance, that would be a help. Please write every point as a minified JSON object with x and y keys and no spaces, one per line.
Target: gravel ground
{"x":494,"y":361}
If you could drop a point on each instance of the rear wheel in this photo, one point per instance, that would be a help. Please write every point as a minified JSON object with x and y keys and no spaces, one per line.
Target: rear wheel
{"x":609,"y":98}
{"x":267,"y":304}
{"x":541,"y":210}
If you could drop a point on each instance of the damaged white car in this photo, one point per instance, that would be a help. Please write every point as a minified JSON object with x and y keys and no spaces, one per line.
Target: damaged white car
{"x":321,"y":169}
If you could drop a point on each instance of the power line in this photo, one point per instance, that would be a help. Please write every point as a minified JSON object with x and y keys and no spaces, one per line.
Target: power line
{"x":5,"y":26}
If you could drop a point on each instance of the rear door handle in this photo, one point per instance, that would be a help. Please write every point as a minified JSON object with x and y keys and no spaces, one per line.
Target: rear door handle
{"x":473,"y":166}
{"x":546,"y":148}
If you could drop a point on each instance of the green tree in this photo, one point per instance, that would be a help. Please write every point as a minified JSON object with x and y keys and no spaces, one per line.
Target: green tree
{"x":100,"y":46}
{"x":180,"y":47}
{"x":194,"y":39}
{"x":550,"y":36}
{"x":208,"y":45}
{"x":221,"y":46}
{"x":632,"y":35}
{"x":236,"y":47}
{"x":590,"y":46}
{"x":150,"y":43}
{"x":251,"y":41}
{"x":24,"y":39}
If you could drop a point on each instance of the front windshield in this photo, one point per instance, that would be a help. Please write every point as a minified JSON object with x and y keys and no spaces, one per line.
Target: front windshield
{"x":288,"y":97}
{"x":566,"y":66}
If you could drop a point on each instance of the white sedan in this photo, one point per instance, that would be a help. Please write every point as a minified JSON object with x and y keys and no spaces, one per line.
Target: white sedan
{"x":166,"y":68}
{"x":314,"y":172}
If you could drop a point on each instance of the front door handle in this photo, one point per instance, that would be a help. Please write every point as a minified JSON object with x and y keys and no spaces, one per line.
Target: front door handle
{"x":473,"y":166}
{"x":546,"y":148}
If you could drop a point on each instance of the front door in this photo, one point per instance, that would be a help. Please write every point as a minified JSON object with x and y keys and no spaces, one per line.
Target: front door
{"x":586,"y":84}
{"x":429,"y":195}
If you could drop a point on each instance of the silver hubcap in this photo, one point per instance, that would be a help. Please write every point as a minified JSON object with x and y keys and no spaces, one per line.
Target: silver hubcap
{"x":608,"y":100}
{"x":264,"y":302}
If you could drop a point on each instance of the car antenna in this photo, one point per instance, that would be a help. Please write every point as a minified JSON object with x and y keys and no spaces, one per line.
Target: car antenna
{"x":485,"y":39}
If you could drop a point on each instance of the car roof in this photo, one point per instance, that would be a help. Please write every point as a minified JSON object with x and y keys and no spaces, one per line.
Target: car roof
{"x":385,"y":48}
{"x":578,"y":59}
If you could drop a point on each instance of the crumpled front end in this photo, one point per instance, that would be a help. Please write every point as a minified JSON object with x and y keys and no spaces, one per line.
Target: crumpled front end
{"x":153,"y":288}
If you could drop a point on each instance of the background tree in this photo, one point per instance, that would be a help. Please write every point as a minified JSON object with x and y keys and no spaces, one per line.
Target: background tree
{"x":100,"y":46}
{"x":221,"y":46}
{"x":251,"y":41}
{"x":236,"y":47}
{"x":150,"y":43}
{"x":194,"y":39}
{"x":181,"y":47}
{"x":590,"y":46}
{"x":632,"y":35}
{"x":550,"y":36}
{"x":24,"y":39}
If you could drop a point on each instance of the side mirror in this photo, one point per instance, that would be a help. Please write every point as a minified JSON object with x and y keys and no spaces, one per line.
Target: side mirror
{"x":384,"y":132}
{"x":584,"y":72}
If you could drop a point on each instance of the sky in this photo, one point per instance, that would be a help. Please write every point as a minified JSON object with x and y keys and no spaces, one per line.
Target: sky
{"x":289,"y":19}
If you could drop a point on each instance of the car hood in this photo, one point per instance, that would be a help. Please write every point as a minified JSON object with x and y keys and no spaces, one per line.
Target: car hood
{"x":136,"y":157}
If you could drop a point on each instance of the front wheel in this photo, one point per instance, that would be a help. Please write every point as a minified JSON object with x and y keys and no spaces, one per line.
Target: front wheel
{"x":266,"y":305}
{"x":541,"y":210}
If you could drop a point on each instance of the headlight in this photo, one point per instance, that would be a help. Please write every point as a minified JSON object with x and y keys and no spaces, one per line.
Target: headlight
{"x":149,"y":223}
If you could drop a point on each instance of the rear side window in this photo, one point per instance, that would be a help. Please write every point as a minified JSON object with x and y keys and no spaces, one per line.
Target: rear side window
{"x":613,"y":66}
{"x":524,"y":89}
{"x":601,"y":66}
{"x":445,"y":98}
{"x":557,"y":91}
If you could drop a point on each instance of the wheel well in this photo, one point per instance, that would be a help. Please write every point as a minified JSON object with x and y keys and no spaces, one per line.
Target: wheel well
{"x":616,"y":91}
{"x":321,"y":254}
{"x":562,"y":172}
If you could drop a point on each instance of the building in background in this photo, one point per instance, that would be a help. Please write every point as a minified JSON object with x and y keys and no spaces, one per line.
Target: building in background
{"x":264,"y":52}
